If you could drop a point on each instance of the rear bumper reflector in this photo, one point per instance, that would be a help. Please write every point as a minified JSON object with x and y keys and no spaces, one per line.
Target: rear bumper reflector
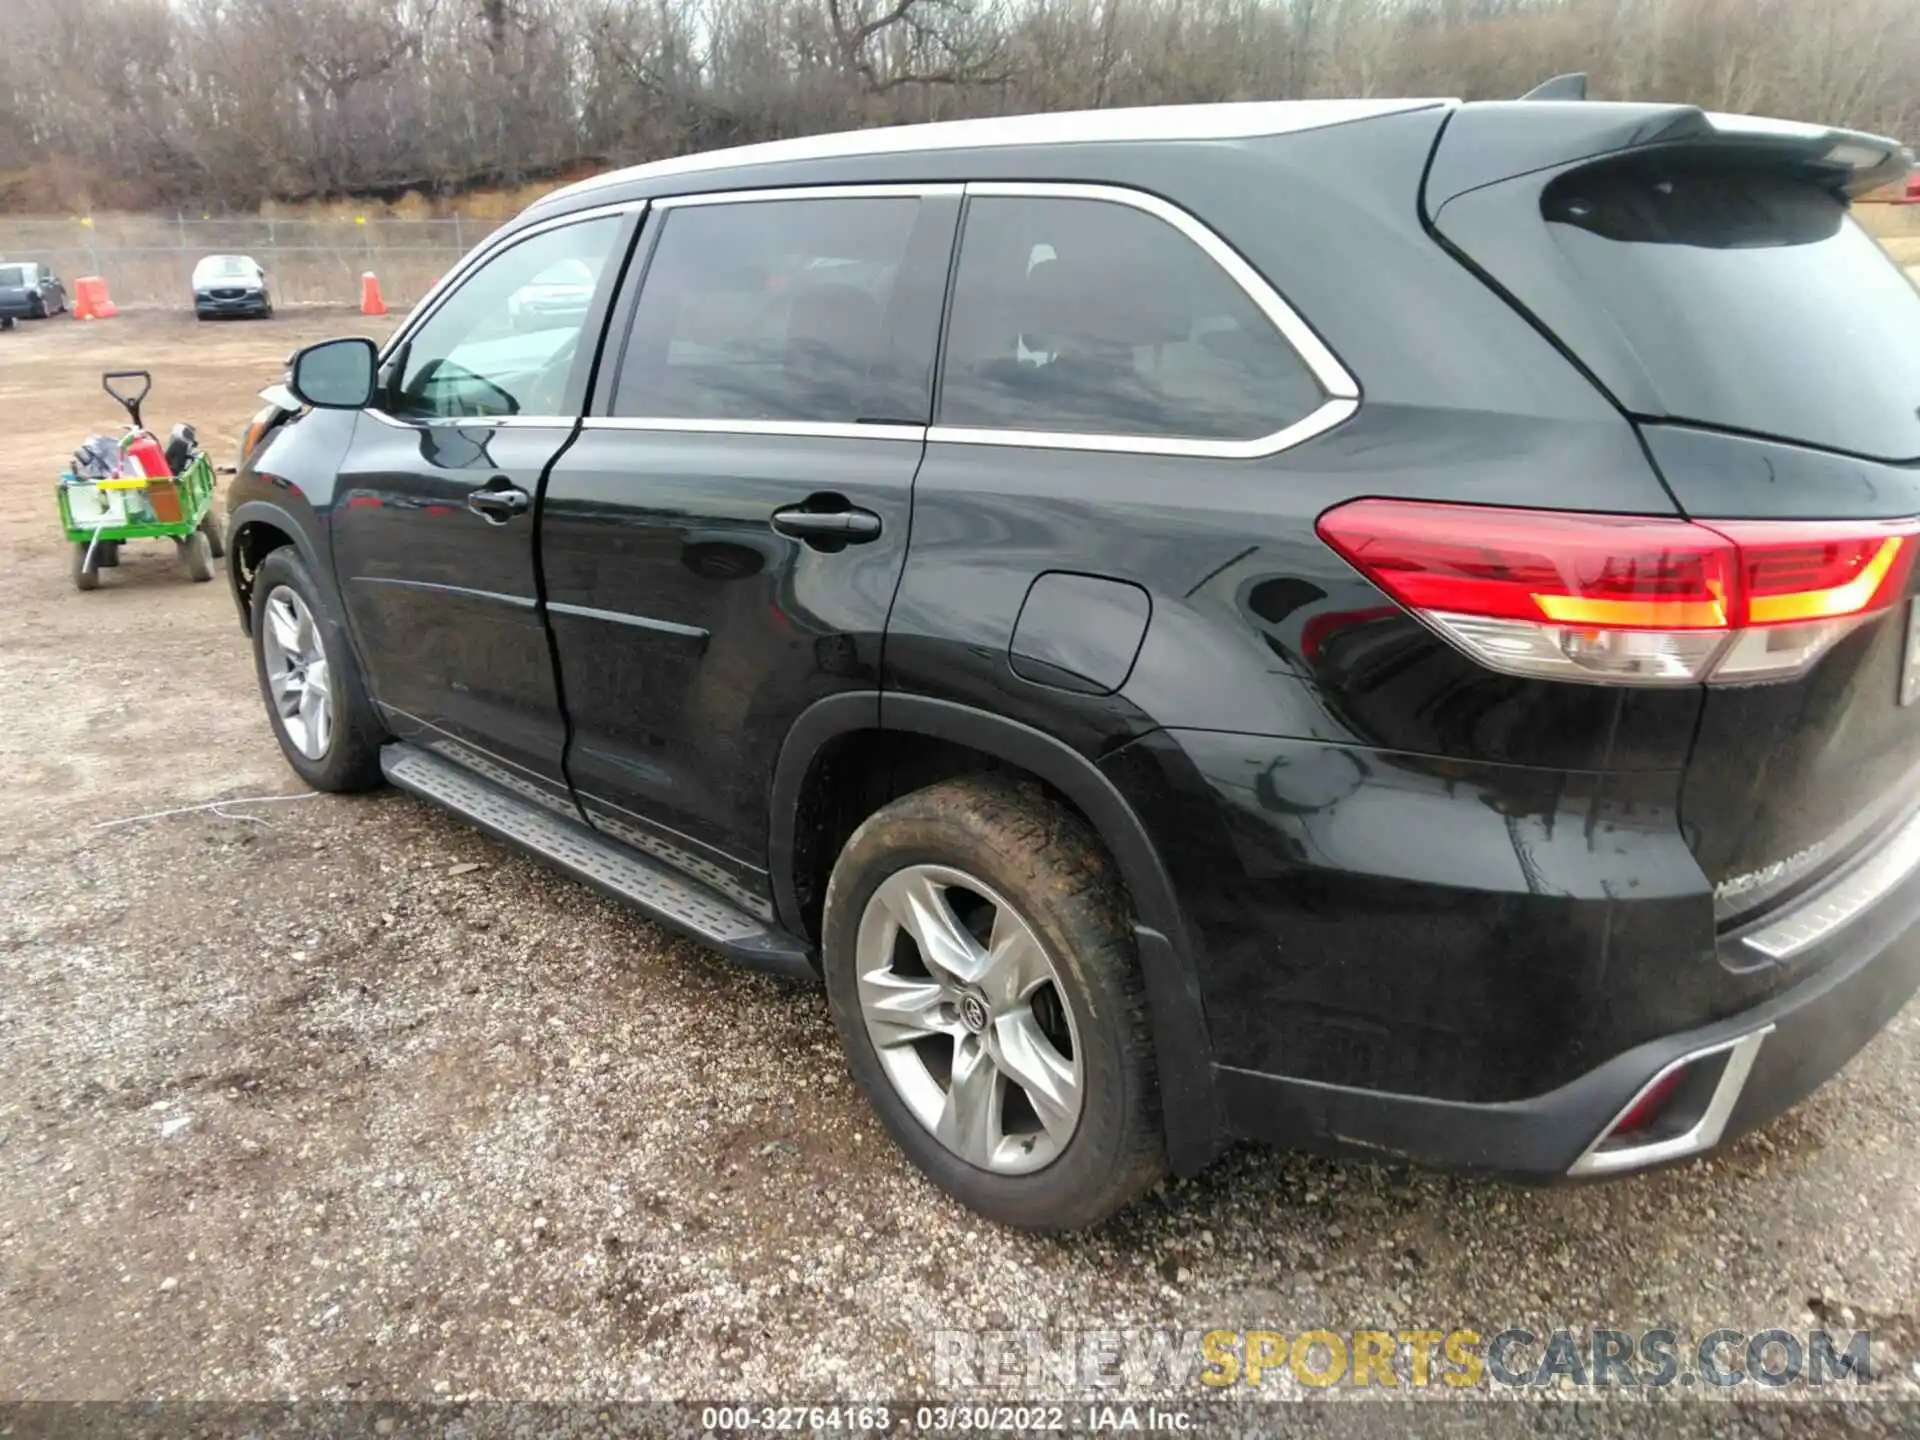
{"x":1612,"y":1154}
{"x":1845,"y":899}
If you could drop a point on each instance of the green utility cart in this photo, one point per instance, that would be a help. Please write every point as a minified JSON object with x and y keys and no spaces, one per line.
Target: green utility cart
{"x":176,"y":504}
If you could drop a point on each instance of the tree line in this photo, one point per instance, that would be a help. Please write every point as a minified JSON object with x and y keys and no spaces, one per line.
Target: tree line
{"x":227,"y":103}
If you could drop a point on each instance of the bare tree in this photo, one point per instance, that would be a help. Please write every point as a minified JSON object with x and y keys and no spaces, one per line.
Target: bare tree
{"x":231,"y":102}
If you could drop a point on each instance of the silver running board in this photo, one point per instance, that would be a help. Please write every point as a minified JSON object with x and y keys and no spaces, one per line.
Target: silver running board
{"x":647,"y":885}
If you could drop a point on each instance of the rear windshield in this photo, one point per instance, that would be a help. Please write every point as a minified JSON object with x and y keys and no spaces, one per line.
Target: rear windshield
{"x":1752,"y":299}
{"x":11,"y":275}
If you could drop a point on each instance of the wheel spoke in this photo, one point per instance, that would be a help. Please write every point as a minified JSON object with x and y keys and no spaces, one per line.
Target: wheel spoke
{"x":1028,"y":1059}
{"x":286,"y":685}
{"x":1015,"y":964}
{"x":284,"y":623}
{"x":920,"y":905}
{"x":317,"y":710}
{"x":900,"y":1009}
{"x":309,"y":642}
{"x":970,"y":1120}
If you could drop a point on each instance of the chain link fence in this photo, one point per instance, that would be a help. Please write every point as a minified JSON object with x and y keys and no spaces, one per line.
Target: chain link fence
{"x":147,"y":260}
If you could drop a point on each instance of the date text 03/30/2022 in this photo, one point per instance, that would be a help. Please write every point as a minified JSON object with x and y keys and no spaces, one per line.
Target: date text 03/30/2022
{"x":959,"y":1419}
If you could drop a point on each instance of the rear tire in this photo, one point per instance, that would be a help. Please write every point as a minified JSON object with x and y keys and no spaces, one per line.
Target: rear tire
{"x":85,"y":576}
{"x":37,"y":308}
{"x":350,"y":761}
{"x":210,"y":527}
{"x":196,"y":555}
{"x":1011,"y":868}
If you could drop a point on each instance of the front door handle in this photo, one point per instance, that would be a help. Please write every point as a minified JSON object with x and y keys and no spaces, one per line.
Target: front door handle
{"x":832,"y":527}
{"x":498,"y":505}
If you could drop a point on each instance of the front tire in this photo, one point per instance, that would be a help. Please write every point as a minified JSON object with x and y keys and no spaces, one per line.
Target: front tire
{"x":981,"y":970}
{"x":37,"y":308}
{"x":85,"y":576}
{"x":210,"y":528}
{"x":315,"y":700}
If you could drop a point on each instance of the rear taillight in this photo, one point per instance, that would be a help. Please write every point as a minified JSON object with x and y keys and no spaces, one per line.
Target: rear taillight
{"x":1626,"y":599}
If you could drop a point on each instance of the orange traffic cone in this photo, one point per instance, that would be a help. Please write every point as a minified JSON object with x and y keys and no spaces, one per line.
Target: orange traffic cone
{"x":370,"y":301}
{"x":91,"y":301}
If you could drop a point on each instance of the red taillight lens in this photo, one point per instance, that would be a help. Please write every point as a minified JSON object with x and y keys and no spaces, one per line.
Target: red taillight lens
{"x":1537,"y":564}
{"x":1815,"y":570}
{"x":1625,"y":598}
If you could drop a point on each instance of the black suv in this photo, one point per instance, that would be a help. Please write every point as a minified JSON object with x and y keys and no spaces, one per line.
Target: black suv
{"x":1376,"y":625}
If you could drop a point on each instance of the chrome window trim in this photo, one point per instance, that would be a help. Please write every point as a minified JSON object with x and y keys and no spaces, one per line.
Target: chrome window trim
{"x":798,"y":429}
{"x":1703,"y":1134}
{"x":1342,"y":390}
{"x":905,"y":190}
{"x":472,"y":422}
{"x":1330,"y":414}
{"x":1242,"y":120}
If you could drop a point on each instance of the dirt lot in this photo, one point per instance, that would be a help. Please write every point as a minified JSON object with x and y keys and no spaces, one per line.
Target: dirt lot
{"x":333,"y":1097}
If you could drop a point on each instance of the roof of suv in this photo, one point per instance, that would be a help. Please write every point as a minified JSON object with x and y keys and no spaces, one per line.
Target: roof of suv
{"x":1230,"y":121}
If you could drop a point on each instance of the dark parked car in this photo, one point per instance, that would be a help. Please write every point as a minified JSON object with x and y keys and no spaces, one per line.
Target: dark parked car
{"x":1383,"y":626}
{"x":29,"y":291}
{"x":231,"y":285}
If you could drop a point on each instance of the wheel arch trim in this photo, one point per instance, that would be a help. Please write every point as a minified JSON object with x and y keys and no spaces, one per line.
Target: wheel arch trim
{"x":1182,"y":1045}
{"x":265,"y":512}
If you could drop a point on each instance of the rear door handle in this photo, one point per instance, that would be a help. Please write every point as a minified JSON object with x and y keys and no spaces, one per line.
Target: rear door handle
{"x":496,"y":506}
{"x":848,"y":527}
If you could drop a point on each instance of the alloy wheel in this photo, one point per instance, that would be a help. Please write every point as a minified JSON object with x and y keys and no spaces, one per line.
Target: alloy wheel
{"x":297,"y":672}
{"x":967,"y":1017}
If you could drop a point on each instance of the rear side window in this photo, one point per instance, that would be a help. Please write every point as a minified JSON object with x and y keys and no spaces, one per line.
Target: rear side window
{"x":1092,"y":317}
{"x":1752,"y":300}
{"x":783,"y":310}
{"x":12,"y":275}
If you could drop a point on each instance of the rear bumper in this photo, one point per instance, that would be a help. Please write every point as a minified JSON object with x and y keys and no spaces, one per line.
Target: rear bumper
{"x":1799,"y":1039}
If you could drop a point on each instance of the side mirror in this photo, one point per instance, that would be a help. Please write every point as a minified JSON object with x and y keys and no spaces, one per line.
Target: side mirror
{"x":335,"y":374}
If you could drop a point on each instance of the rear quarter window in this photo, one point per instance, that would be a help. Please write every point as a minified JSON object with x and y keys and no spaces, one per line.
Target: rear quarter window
{"x":1087,"y":316}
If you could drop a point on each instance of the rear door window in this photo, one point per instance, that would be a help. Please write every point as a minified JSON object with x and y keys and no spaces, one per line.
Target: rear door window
{"x":12,"y":277}
{"x":1752,"y":300}
{"x":787,"y":310}
{"x":1089,"y":316}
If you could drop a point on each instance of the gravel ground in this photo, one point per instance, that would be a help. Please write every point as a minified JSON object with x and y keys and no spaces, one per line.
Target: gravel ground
{"x":334,"y":1098}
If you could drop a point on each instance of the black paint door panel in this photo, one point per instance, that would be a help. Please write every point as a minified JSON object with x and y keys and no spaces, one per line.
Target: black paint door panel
{"x":691,"y":635}
{"x":443,"y":598}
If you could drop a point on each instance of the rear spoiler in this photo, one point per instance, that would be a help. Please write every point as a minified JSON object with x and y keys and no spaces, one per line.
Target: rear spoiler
{"x":1486,"y":143}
